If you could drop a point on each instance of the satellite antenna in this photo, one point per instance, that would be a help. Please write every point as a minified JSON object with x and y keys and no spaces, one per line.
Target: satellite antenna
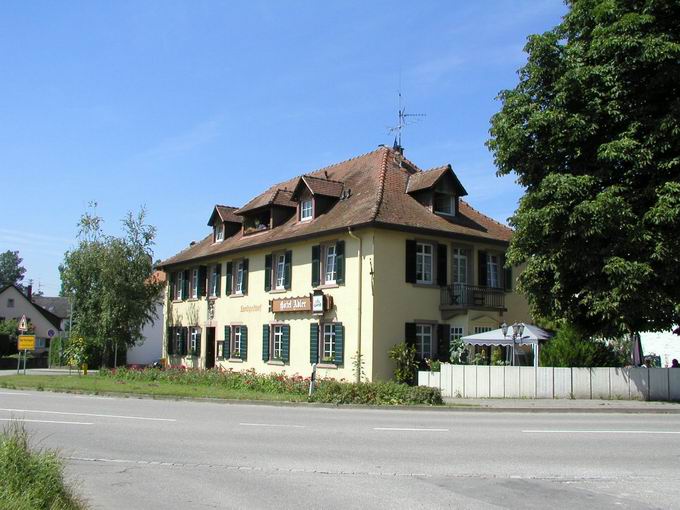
{"x":404,"y":120}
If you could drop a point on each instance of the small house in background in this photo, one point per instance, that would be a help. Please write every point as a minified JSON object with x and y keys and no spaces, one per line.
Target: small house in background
{"x":149,"y":350}
{"x":43,"y":323}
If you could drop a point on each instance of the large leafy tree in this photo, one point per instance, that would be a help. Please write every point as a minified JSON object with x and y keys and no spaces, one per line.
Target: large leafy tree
{"x":592,"y":132}
{"x":110,"y":281}
{"x":11,"y":270}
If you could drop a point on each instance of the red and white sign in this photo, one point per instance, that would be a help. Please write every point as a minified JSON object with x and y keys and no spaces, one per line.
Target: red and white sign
{"x":23,"y":324}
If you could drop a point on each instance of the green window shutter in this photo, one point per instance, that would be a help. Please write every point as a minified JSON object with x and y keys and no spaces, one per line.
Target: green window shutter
{"x":171,"y":287}
{"x":410,"y":261}
{"x":313,"y":343}
{"x":228,"y":284}
{"x":285,"y":343}
{"x":316,"y":265}
{"x":441,"y":264}
{"x":340,"y":262}
{"x":183,"y":340}
{"x":265,"y":342}
{"x":202,"y":275}
{"x":169,"y":342}
{"x":227,"y":341}
{"x":185,"y":285}
{"x":507,"y":274}
{"x":287,"y":273}
{"x":268,"y":272}
{"x":245,"y":276}
{"x":198,"y":343}
{"x":339,"y":344}
{"x":481,"y":268}
{"x":218,"y":270}
{"x":244,"y":342}
{"x":410,"y":333}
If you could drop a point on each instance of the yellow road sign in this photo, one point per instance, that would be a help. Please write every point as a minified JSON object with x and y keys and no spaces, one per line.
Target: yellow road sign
{"x":26,"y":342}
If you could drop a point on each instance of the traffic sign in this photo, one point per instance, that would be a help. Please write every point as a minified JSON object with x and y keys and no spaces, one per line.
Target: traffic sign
{"x":23,"y":324}
{"x":26,"y":343}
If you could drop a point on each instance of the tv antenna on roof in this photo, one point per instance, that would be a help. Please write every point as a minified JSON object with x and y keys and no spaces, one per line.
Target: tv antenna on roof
{"x":404,"y":120}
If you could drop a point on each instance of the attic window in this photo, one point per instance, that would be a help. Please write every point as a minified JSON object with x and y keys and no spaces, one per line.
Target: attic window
{"x":219,"y":232}
{"x":306,"y":210}
{"x":444,"y":203}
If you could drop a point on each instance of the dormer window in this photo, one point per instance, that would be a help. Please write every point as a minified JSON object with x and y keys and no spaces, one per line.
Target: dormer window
{"x":306,"y":209}
{"x":219,"y":232}
{"x":444,"y":203}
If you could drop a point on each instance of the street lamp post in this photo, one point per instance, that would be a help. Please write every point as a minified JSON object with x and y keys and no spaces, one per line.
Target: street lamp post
{"x":517,"y":331}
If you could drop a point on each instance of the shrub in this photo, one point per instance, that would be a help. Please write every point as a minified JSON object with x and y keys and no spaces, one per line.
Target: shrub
{"x":405,"y":357}
{"x":375,"y":393}
{"x":568,"y":348}
{"x":31,"y":479}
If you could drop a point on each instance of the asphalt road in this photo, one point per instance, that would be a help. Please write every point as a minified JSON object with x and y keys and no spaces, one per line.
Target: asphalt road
{"x":146,"y":454}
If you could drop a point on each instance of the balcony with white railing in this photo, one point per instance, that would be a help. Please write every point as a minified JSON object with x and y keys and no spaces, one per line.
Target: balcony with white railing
{"x":461,"y":296}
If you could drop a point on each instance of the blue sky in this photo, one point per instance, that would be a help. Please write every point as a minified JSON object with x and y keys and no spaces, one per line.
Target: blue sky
{"x":181,"y":105}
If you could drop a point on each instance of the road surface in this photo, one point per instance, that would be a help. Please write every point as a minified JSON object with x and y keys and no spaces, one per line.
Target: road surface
{"x":127,"y":453}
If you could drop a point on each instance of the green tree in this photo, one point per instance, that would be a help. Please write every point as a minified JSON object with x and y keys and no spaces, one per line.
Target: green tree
{"x":109,"y":280}
{"x":568,"y":348}
{"x":404,"y":356}
{"x":592,"y":132}
{"x":11,"y":270}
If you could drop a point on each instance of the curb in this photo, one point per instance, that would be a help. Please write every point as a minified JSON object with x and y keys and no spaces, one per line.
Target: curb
{"x":456,"y":408}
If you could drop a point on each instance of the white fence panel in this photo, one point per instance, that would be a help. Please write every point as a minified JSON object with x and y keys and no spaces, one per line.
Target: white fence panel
{"x":562,"y":382}
{"x":511,"y":382}
{"x":470,"y":381}
{"x":527,"y":382}
{"x":674,"y":383}
{"x":619,"y":383}
{"x":446,"y":379}
{"x":658,"y":383}
{"x":639,"y":383}
{"x":580,"y":382}
{"x":483,"y":389}
{"x":497,"y":382}
{"x":599,"y":383}
{"x":544,"y":382}
{"x":458,"y":381}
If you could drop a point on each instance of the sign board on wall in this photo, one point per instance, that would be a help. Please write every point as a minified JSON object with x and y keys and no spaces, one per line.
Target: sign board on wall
{"x":26,"y":343}
{"x":317,"y":303}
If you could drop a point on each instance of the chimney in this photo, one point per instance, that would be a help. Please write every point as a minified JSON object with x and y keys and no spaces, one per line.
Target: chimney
{"x":29,"y":292}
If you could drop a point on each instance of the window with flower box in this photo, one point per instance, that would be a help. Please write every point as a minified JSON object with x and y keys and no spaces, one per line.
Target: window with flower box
{"x":276,"y":343}
{"x":326,"y":343}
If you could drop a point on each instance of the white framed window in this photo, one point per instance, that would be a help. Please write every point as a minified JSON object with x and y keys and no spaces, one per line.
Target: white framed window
{"x":444,"y":203}
{"x":277,"y":343}
{"x":195,"y":340}
{"x":492,"y":270}
{"x":219,"y":232}
{"x":306,"y":210}
{"x":330,"y":266}
{"x":236,"y":341}
{"x":424,"y":341}
{"x":178,"y":340}
{"x":424,"y":263}
{"x":460,"y":265}
{"x":238,"y":283}
{"x":214,"y":280}
{"x":180,"y":285}
{"x":455,"y":333}
{"x":482,"y":329}
{"x":328,"y":343}
{"x":194,"y":283}
{"x":280,"y":271}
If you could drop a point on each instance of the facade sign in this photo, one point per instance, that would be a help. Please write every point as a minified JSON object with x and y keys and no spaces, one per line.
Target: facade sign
{"x":317,"y":303}
{"x":296,"y":304}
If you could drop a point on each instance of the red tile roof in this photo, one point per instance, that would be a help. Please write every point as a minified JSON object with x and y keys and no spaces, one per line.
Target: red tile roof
{"x":375,"y":186}
{"x":225,"y":213}
{"x":321,"y":186}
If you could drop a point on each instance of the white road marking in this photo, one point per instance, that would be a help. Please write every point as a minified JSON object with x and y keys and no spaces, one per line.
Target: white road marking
{"x":601,"y":432}
{"x":272,"y":425}
{"x":86,"y":414}
{"x":12,"y":393}
{"x":400,"y":429}
{"x":24,"y":420}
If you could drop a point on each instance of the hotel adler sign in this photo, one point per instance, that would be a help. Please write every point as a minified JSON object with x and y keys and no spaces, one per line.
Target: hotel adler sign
{"x":316,"y":303}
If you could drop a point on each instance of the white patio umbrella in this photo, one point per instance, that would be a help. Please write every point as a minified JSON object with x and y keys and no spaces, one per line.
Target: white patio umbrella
{"x":528,"y":334}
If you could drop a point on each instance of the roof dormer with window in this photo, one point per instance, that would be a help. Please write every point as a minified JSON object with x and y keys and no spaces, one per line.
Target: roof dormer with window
{"x":315,"y":196}
{"x":224,"y":222}
{"x":438,"y":189}
{"x":267,"y":211}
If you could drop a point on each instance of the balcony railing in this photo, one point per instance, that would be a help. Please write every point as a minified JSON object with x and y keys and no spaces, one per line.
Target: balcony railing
{"x":462,"y":295}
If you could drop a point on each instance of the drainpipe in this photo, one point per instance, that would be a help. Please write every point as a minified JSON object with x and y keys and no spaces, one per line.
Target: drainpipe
{"x":353,"y":236}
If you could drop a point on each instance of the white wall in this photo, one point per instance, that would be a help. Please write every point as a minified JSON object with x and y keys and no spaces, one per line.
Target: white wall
{"x":150,"y":350}
{"x":475,"y":381}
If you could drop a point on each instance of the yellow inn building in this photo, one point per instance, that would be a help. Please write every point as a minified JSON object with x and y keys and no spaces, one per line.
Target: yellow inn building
{"x":338,"y":265}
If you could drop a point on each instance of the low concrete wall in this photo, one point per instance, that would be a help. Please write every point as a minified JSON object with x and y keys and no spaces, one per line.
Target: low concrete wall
{"x":479,"y":381}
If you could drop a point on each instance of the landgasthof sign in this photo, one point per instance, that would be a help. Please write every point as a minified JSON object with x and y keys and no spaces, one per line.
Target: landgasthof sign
{"x":26,"y":343}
